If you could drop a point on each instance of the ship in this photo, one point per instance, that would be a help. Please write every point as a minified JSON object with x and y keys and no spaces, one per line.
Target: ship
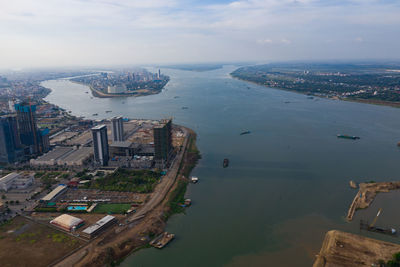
{"x":345,"y":136}
{"x":245,"y":132}
{"x":225,"y":163}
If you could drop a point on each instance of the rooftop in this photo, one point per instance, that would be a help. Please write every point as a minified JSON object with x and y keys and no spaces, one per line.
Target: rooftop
{"x":9,"y":177}
{"x":93,"y":228}
{"x":54,"y":193}
{"x":121,"y":144}
{"x":78,"y":154}
{"x":66,"y":220}
{"x":99,"y":127}
{"x":55,"y":154}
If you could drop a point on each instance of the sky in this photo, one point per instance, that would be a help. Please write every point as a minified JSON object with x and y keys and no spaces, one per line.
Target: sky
{"x":46,"y":33}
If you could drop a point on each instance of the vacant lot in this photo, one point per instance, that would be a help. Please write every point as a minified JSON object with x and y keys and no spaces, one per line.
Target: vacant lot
{"x":27,"y":243}
{"x":122,"y":180}
{"x":112,"y":208}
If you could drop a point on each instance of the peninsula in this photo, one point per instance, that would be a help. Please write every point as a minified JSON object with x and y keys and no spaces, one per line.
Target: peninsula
{"x":124,"y":83}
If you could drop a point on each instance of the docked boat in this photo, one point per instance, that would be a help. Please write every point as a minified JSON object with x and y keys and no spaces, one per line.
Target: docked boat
{"x":245,"y":132}
{"x":345,"y":136}
{"x":194,"y":179}
{"x":225,"y":163}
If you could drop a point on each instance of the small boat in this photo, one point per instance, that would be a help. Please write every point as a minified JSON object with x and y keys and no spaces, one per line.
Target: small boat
{"x":194,"y":179}
{"x":95,"y":114}
{"x":176,"y":96}
{"x":108,"y":111}
{"x":225,"y":163}
{"x":310,"y":97}
{"x":245,"y":132}
{"x":184,"y":107}
{"x":345,"y":136}
{"x":87,"y":92}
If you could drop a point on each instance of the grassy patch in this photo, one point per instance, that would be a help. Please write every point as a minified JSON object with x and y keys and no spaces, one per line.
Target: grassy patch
{"x":112,"y":208}
{"x":142,"y":181}
{"x":189,"y":161}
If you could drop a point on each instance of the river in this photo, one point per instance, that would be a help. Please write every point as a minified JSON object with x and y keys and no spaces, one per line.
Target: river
{"x":287,"y":182}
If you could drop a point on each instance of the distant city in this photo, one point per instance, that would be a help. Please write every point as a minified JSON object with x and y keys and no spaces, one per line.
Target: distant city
{"x":111,"y":84}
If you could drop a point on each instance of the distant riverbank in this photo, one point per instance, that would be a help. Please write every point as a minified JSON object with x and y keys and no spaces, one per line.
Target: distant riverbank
{"x":357,"y":100}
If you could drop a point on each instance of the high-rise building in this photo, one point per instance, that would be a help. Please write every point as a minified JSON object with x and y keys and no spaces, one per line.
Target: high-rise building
{"x":10,"y":145}
{"x":162,"y":142}
{"x":100,"y":145}
{"x":117,"y":129}
{"x":27,"y":127}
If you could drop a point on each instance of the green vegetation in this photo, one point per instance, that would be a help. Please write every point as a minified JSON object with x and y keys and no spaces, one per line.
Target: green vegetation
{"x":394,"y":262}
{"x":50,"y":209}
{"x":142,"y":181}
{"x":177,"y":197}
{"x":374,"y":82}
{"x":58,"y":237}
{"x":47,"y":178}
{"x":112,"y":208}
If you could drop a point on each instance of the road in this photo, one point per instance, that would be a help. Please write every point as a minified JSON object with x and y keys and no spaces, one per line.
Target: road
{"x":164,"y":186}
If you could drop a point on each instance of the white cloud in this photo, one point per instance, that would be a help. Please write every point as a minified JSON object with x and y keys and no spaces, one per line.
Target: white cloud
{"x":86,"y":32}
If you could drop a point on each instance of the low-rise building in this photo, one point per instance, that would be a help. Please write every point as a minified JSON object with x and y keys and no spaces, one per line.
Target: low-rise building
{"x":67,"y":222}
{"x":65,"y":156}
{"x":99,"y":226}
{"x":16,"y":180}
{"x":55,"y":193}
{"x":122,"y":148}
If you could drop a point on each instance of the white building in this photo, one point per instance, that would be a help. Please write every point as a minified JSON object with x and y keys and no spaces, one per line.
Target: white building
{"x":16,"y":181}
{"x":116,"y":89}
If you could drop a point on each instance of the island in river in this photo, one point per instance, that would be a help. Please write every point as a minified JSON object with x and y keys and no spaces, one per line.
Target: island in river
{"x":375,"y":83}
{"x":124,"y":83}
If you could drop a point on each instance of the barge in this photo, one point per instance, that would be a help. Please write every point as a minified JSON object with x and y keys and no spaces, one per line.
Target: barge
{"x":162,"y":240}
{"x":345,"y":136}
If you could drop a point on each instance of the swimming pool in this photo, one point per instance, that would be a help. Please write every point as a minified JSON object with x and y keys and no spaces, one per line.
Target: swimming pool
{"x":77,"y":208}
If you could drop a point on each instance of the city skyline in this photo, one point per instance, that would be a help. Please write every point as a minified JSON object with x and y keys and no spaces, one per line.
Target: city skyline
{"x":92,"y":33}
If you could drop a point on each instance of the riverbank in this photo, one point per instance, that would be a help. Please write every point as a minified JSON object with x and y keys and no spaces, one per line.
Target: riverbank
{"x":356,"y":100}
{"x":345,"y":249}
{"x":366,"y":194}
{"x":120,"y":241}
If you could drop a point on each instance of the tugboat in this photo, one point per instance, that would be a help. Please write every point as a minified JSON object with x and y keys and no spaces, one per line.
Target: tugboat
{"x":225,"y":163}
{"x":345,"y":136}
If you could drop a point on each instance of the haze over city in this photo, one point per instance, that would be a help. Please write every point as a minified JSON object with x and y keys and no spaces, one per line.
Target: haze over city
{"x":87,"y":33}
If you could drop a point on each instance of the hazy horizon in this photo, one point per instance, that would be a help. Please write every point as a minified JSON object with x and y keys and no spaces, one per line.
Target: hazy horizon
{"x":106,"y":33}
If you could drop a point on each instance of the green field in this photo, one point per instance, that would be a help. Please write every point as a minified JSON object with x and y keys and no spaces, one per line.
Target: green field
{"x":138,"y":181}
{"x":112,"y":208}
